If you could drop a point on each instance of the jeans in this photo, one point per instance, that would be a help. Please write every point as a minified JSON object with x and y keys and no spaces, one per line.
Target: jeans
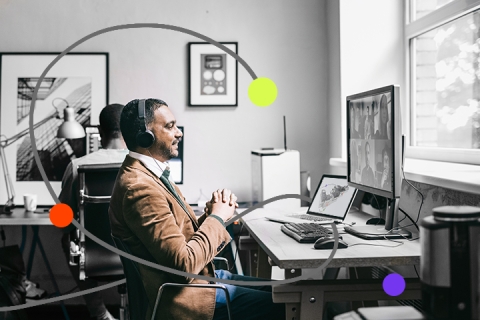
{"x":246,"y":302}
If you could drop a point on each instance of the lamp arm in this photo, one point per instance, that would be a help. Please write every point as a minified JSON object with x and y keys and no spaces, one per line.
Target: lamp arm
{"x":8,"y":182}
{"x":5,"y":143}
{"x":9,"y":141}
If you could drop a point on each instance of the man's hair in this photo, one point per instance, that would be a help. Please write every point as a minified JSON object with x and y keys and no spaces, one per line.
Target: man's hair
{"x":131,"y":124}
{"x":110,"y":120}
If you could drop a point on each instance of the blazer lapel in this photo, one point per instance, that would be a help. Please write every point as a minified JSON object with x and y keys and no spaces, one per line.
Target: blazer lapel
{"x":139,"y":165}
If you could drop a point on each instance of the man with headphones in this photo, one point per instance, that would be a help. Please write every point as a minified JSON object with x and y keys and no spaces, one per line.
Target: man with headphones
{"x":151,"y":216}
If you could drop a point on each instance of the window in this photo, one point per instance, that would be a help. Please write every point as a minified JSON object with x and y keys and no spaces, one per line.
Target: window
{"x":444,"y":80}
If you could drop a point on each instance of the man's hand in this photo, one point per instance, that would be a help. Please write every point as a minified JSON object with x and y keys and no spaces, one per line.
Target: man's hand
{"x":220,"y":195}
{"x":222,"y":204}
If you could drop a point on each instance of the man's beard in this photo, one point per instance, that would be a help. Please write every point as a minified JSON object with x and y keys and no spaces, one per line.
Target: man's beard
{"x":166,"y":150}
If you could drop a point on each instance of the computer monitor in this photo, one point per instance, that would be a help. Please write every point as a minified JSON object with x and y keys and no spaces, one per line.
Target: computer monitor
{"x":374,"y":146}
{"x":92,"y":138}
{"x":93,"y":142}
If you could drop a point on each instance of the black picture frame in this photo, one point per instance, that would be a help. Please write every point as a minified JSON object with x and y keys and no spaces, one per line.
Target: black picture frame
{"x":212,"y":75}
{"x":82,"y":78}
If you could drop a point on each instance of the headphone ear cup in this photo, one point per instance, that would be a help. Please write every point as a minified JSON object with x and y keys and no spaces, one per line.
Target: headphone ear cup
{"x":145,"y":139}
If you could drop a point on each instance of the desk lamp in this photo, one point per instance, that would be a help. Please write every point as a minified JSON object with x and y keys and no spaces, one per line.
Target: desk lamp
{"x":69,"y":129}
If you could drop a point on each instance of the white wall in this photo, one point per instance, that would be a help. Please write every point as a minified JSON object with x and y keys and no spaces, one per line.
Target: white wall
{"x":280,"y":39}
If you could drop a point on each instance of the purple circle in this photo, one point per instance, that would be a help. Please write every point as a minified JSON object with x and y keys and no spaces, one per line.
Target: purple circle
{"x":394,"y":284}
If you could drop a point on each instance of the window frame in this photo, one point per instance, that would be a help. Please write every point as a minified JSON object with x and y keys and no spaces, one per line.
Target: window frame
{"x":447,"y":13}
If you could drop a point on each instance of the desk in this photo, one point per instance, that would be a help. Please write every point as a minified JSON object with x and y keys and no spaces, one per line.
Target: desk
{"x":305,"y":299}
{"x":21,"y":217}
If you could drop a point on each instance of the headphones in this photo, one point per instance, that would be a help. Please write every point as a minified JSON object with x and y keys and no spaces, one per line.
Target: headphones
{"x":145,"y":137}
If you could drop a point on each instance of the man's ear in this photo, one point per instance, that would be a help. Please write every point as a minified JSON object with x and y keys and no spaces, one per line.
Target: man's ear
{"x":100,"y":131}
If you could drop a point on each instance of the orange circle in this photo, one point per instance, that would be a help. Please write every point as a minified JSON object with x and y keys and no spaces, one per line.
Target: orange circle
{"x":61,"y":215}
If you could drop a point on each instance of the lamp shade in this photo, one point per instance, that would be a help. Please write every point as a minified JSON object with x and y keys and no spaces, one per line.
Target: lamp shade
{"x":70,"y":128}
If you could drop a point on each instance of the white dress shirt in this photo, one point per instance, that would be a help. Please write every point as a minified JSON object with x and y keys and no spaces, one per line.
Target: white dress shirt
{"x":152,"y":164}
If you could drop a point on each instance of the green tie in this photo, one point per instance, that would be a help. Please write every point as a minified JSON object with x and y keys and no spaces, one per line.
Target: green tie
{"x":166,"y":182}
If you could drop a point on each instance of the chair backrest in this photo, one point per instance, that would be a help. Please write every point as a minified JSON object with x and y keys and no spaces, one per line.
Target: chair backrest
{"x":137,"y":296}
{"x":96,"y":185}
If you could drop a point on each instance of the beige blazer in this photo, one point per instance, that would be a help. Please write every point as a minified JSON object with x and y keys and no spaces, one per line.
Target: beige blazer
{"x":155,"y":227}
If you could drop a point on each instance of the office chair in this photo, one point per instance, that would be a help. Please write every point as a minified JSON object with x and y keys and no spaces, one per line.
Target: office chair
{"x":96,"y":183}
{"x":138,"y":302}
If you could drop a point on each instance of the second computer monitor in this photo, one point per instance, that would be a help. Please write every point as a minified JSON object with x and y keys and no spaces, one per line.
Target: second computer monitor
{"x":374,"y":141}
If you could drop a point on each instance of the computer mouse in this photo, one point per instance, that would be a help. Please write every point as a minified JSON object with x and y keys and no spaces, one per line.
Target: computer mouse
{"x":328,"y":242}
{"x":376,"y":221}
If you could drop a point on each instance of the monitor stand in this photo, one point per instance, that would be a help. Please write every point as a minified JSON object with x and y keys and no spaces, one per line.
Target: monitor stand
{"x":382,"y":232}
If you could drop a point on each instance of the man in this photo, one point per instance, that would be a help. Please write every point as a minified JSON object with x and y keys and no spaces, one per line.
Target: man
{"x":385,"y":182}
{"x":149,"y":213}
{"x":367,"y":125}
{"x":113,"y":151}
{"x":367,"y":172}
{"x":353,"y":122}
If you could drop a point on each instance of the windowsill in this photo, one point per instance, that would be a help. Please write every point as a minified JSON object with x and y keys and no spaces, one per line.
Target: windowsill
{"x":461,"y":177}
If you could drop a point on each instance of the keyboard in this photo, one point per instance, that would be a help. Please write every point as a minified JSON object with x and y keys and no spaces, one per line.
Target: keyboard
{"x":305,"y":232}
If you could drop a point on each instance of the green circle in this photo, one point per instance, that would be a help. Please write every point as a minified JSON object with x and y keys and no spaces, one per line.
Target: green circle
{"x":262,"y":92}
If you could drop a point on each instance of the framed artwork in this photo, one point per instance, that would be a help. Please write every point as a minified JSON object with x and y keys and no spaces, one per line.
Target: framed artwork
{"x":79,"y":79}
{"x":212,"y":75}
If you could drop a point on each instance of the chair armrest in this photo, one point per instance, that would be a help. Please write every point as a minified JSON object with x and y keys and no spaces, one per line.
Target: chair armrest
{"x":217,"y":286}
{"x":93,"y":199}
{"x":222,"y":259}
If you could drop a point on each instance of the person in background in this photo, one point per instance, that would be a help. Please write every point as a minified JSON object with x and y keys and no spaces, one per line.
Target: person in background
{"x":386,"y":180}
{"x":360,"y":120}
{"x":367,"y":172}
{"x":113,"y":151}
{"x":368,"y":126}
{"x":353,"y":122}
{"x":384,"y":122}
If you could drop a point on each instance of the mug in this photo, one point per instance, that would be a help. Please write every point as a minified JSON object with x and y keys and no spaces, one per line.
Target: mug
{"x":30,"y":201}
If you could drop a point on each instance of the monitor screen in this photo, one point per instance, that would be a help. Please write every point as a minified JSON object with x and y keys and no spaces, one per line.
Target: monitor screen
{"x":374,"y":141}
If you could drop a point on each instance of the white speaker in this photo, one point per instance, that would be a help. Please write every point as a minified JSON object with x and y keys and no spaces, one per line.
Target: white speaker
{"x":276,"y":172}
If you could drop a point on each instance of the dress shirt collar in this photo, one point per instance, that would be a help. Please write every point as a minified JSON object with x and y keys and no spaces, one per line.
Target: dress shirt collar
{"x":157,"y":167}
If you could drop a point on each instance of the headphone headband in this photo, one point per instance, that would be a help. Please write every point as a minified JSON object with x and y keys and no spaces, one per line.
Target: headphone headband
{"x":145,"y":138}
{"x":141,"y":109}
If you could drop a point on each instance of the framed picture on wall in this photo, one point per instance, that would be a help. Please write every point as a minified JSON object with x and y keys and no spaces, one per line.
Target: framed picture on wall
{"x":79,"y":80}
{"x":212,"y":75}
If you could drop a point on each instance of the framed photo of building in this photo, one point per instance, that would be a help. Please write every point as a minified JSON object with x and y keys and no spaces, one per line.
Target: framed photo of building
{"x":77,"y":79}
{"x":212,"y":75}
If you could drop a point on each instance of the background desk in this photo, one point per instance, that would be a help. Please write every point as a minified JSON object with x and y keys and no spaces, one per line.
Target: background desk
{"x":309,"y":296}
{"x":21,"y":217}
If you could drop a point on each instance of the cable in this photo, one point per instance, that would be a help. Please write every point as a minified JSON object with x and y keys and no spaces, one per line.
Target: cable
{"x":407,"y":216}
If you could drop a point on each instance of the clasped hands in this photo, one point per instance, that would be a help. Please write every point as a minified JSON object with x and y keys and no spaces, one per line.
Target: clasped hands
{"x":222,"y":204}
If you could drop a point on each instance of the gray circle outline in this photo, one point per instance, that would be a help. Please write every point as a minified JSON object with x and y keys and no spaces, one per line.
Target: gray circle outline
{"x":122,"y":253}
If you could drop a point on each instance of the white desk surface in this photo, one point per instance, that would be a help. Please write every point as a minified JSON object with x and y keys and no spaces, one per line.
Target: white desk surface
{"x":287,"y":253}
{"x":21,"y":217}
